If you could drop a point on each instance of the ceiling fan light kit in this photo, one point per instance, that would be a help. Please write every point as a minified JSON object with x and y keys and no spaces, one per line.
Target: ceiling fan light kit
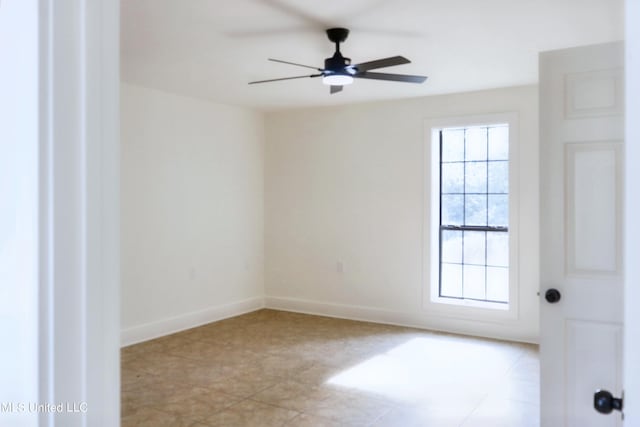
{"x":337,"y":79}
{"x":338,"y":70}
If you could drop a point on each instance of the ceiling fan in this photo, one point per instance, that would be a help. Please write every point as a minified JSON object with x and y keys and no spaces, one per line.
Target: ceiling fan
{"x":338,"y":70}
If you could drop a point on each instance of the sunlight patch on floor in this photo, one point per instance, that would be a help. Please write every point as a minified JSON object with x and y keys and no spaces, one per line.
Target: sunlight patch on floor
{"x":428,"y":367}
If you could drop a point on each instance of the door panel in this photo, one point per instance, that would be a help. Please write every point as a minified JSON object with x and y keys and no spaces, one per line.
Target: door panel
{"x":581,"y":131}
{"x":594,"y":93}
{"x":592,"y":348}
{"x":593,"y":208}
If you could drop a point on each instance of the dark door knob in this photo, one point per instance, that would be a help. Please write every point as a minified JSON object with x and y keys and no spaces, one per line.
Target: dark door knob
{"x":552,"y":295}
{"x":605,"y":403}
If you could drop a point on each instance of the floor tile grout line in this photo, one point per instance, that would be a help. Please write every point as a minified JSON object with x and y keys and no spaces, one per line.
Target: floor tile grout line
{"x":470,"y":414}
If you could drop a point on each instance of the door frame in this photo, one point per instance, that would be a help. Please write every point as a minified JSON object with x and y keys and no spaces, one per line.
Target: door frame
{"x":78,"y":267}
{"x":632,"y":210}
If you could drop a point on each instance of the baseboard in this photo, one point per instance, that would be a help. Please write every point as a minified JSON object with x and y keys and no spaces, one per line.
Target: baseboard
{"x":419,"y":320}
{"x":149,"y":331}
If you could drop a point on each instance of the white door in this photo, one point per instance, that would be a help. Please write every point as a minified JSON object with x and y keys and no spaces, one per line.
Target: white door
{"x":581,"y":136}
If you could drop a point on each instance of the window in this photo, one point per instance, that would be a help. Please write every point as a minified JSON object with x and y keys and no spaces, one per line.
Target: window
{"x":471,"y":217}
{"x":474,"y":213}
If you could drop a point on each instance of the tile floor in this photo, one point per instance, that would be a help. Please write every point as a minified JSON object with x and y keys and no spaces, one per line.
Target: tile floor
{"x":274,"y":368}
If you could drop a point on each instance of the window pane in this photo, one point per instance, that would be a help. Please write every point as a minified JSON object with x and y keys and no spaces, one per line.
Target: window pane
{"x":474,"y":282}
{"x":452,"y":210}
{"x":476,"y":144}
{"x":475,"y":177}
{"x":451,"y":280}
{"x":474,"y":247}
{"x":499,"y":143}
{"x":452,"y":246}
{"x":475,"y":210}
{"x":452,"y":145}
{"x":499,"y":210}
{"x":498,"y":284}
{"x":498,"y":249}
{"x":474,"y":169}
{"x":453,"y":177}
{"x":499,"y":177}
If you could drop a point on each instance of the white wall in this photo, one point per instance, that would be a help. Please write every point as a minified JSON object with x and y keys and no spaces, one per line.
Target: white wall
{"x":344,"y":203}
{"x":192,"y":212}
{"x":344,"y":190}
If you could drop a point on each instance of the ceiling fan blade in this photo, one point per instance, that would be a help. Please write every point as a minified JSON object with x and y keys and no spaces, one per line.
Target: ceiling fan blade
{"x":391,"y":77}
{"x":381,"y":63}
{"x":297,"y":12}
{"x":293,"y":63}
{"x":285,"y":78}
{"x":335,"y":89}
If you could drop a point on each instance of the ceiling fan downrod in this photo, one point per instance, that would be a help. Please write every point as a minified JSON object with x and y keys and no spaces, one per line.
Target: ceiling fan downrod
{"x":337,"y":36}
{"x":337,"y":61}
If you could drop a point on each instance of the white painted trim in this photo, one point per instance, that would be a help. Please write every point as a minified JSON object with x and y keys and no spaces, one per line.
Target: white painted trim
{"x":467,"y":309}
{"x":632,"y":210}
{"x":171,"y":325}
{"x":414,"y":319}
{"x":101,"y":51}
{"x":79,"y":211}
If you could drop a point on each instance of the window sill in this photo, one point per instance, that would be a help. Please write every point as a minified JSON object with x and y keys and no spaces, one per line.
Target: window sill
{"x":472,"y":303}
{"x":470,"y":310}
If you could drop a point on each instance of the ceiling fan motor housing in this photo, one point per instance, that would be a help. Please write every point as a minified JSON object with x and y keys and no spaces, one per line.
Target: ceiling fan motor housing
{"x":338,"y":64}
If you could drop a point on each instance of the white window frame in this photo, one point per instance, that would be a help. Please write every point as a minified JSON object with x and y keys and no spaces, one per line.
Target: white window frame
{"x":432,"y":301}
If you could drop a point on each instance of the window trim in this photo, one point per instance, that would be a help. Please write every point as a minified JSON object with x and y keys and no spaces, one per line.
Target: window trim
{"x":461,"y":308}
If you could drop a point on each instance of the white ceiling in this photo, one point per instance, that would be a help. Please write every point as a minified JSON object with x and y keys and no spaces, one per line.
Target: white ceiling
{"x":212,"y":48}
